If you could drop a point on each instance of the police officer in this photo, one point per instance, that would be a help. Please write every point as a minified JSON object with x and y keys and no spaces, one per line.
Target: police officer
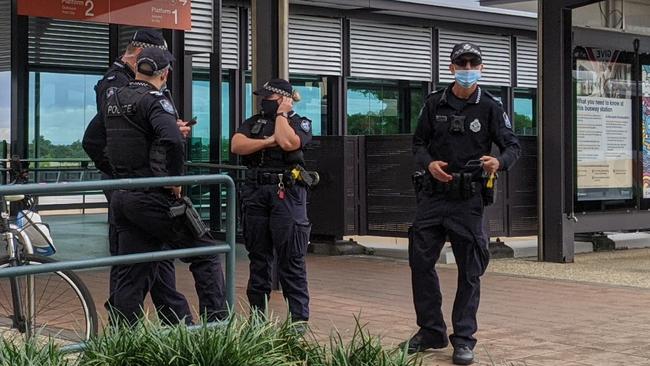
{"x":457,"y":126}
{"x":274,"y":197}
{"x":170,"y":304}
{"x":143,"y":140}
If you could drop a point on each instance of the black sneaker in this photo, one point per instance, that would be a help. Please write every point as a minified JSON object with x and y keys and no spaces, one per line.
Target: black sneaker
{"x":420,"y":342}
{"x":463,"y":355}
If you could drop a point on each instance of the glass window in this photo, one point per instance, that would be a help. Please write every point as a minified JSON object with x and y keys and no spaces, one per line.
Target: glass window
{"x":5,"y":105}
{"x":417,"y":94}
{"x":372,"y":107}
{"x":313,"y":102}
{"x":225,"y":120}
{"x":200,"y":142}
{"x":524,"y":113}
{"x":60,"y":107}
{"x":248,"y":97}
{"x":200,"y":148}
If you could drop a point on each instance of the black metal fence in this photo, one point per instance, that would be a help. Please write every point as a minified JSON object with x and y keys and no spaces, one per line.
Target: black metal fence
{"x":366,"y":188}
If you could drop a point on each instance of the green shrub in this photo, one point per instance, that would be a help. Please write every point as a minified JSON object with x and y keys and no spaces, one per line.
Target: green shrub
{"x":238,"y":341}
{"x":14,"y":353}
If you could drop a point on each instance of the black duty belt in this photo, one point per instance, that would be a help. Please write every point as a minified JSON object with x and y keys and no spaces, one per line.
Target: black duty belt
{"x":268,"y":176}
{"x":462,"y":186}
{"x":290,"y":176}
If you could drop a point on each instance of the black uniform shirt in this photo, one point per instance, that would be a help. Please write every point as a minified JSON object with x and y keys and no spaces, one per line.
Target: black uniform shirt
{"x":156,"y":115}
{"x":94,"y":139}
{"x":483,"y":120}
{"x":275,"y":156}
{"x":117,"y":76}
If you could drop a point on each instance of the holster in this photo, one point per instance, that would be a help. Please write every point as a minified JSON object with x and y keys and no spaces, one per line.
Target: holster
{"x":422,"y":182}
{"x":184,"y":208}
{"x":489,"y":192}
{"x":306,"y":177}
{"x":462,"y":186}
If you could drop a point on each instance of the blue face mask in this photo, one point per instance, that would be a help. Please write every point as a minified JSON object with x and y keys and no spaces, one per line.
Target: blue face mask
{"x":467,"y":78}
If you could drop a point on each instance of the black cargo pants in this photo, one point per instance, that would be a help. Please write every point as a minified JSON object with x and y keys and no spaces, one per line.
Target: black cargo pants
{"x":437,"y":217}
{"x":272,"y":223}
{"x":143,"y":225}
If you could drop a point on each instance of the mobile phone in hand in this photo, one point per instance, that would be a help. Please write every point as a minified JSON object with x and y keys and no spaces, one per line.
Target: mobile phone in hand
{"x":191,"y":122}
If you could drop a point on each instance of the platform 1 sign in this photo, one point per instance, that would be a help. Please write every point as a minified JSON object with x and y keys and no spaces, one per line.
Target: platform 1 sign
{"x":168,"y":14}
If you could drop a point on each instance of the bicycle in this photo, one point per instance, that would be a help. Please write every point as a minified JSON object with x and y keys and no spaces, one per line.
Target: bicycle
{"x":53,"y":305}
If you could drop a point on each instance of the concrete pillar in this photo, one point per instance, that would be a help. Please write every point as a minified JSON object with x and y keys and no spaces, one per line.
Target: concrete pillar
{"x":270,"y":28}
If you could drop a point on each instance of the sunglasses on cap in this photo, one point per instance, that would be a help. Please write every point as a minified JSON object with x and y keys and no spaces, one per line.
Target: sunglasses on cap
{"x":462,"y":61}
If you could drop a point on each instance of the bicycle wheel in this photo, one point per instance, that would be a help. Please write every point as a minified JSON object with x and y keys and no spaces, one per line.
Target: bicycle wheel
{"x":63,"y":308}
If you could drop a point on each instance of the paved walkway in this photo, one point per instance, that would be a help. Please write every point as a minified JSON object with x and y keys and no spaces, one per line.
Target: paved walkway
{"x":523,"y":321}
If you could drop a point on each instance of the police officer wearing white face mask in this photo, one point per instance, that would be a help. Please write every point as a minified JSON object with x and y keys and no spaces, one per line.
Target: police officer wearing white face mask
{"x":452,"y":145}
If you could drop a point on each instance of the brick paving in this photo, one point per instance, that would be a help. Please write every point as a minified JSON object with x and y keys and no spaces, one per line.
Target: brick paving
{"x":523,"y":321}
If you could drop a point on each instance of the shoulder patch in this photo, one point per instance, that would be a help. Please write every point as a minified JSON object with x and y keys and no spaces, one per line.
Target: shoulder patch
{"x":506,"y":120}
{"x":110,"y":92}
{"x":167,"y":106}
{"x":305,"y":124}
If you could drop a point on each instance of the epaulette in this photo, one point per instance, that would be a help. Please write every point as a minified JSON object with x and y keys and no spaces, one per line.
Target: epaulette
{"x":157,"y":93}
{"x":294,"y":116}
{"x":435,"y":92}
{"x":494,"y":98}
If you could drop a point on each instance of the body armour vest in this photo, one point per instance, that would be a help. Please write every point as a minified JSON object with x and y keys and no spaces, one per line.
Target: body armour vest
{"x":129,"y":138}
{"x":273,"y":157}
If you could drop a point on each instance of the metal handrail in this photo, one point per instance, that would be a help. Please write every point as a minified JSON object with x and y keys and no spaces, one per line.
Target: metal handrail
{"x":215,"y":166}
{"x":50,"y":160}
{"x":115,"y":184}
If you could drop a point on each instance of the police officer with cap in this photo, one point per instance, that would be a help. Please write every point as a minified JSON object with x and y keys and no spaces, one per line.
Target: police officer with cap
{"x":274,"y":197}
{"x":170,"y":304}
{"x":452,"y":145}
{"x":143,"y":140}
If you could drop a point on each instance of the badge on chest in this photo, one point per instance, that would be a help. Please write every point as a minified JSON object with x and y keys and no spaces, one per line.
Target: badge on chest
{"x":475,"y":125}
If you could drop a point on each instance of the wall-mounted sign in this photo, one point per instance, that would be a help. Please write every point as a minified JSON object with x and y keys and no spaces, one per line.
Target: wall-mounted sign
{"x":169,"y":14}
{"x":645,"y":79}
{"x":604,"y":126}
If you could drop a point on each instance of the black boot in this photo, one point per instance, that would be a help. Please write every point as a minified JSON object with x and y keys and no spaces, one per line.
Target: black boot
{"x":463,"y":355}
{"x":421,"y":341}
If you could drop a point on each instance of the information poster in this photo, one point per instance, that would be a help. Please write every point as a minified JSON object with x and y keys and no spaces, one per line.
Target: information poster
{"x":169,"y":14}
{"x":645,"y":115}
{"x":604,"y":127}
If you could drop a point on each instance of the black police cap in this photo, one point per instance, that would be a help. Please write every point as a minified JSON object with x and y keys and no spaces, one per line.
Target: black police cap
{"x":147,"y":38}
{"x":153,"y":60}
{"x":465,"y":48}
{"x":277,"y":86}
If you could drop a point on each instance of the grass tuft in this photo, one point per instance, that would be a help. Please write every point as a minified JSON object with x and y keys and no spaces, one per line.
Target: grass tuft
{"x":255,"y":340}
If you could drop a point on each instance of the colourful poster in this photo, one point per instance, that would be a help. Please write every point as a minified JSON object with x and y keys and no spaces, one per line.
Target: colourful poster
{"x":603,"y":126}
{"x":645,"y":130}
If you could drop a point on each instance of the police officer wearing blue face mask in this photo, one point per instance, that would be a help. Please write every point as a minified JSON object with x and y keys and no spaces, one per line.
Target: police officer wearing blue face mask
{"x":274,"y":197}
{"x":457,"y":126}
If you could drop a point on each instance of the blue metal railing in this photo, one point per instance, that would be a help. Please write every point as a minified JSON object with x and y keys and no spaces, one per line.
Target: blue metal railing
{"x":228,"y":248}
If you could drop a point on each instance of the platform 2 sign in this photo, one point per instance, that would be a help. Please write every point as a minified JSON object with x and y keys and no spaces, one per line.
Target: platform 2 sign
{"x":168,"y":14}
